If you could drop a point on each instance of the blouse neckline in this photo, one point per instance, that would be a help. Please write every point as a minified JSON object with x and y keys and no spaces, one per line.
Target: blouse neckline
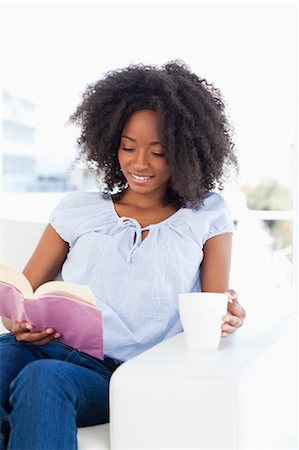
{"x":168,"y":219}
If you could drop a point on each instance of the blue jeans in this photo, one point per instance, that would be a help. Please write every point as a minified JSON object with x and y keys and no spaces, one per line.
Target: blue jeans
{"x":49,"y":390}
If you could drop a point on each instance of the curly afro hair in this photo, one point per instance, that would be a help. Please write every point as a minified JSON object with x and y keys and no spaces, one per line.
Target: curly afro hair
{"x":192,"y":126}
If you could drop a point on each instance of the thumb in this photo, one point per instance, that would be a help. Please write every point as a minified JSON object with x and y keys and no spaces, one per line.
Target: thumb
{"x":233,"y":296}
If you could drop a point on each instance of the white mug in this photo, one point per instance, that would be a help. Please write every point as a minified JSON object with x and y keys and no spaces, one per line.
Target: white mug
{"x":201,"y":316}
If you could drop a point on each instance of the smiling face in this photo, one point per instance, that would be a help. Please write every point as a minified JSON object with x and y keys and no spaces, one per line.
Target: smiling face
{"x":141,"y":155}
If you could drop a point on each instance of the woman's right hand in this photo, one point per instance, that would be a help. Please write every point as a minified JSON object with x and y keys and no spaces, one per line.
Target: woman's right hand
{"x":23,"y":333}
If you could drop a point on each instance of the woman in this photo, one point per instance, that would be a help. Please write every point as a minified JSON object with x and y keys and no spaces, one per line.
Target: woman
{"x":160,"y":141}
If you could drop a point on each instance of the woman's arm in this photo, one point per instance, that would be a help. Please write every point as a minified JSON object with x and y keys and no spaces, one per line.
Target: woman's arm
{"x":215,"y":266}
{"x":47,"y":259}
{"x":214,"y":277}
{"x":43,"y":266}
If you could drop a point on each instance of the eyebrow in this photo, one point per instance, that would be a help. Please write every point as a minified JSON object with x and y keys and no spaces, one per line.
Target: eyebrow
{"x":133,"y":140}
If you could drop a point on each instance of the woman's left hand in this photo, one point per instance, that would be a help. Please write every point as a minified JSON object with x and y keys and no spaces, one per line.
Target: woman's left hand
{"x":235,"y":314}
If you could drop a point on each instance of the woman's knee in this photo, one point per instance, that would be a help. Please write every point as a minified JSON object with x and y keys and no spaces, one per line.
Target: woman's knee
{"x":40,"y":378}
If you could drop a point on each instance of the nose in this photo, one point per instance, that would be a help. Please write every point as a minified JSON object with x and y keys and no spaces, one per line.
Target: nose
{"x":140,"y":160}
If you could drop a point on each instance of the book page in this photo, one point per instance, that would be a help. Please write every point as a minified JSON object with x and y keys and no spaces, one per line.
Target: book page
{"x":77,"y":291}
{"x":80,"y":324}
{"x":17,"y":279}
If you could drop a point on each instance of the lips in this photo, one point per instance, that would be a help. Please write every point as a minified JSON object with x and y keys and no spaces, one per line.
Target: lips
{"x":141,"y":178}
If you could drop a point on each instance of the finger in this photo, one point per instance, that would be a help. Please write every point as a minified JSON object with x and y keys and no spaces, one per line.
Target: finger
{"x":233,"y":295}
{"x":35,"y":335}
{"x":236,"y":310}
{"x":234,"y":321}
{"x":228,"y":329}
{"x":47,"y":339}
{"x":22,"y":326}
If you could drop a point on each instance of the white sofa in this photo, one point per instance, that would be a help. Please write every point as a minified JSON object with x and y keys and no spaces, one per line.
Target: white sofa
{"x":242,"y":397}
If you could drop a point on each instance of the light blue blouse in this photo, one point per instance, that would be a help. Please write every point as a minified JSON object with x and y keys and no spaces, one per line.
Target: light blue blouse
{"x":136,"y":285}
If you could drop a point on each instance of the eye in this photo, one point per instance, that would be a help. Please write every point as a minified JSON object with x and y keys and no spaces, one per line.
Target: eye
{"x":158,"y":154}
{"x":126,"y":149}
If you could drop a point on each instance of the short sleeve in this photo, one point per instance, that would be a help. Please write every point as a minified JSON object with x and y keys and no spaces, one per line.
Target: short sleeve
{"x":80,"y":212}
{"x":220,"y":218}
{"x":62,"y":217}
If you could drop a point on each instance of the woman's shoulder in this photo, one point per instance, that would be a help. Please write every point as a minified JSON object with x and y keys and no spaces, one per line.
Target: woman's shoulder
{"x":212,"y":201}
{"x":211,"y":217}
{"x":80,"y":212}
{"x":210,"y":204}
{"x":82,"y":199}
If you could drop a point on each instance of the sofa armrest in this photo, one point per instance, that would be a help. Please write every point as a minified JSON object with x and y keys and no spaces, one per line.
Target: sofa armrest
{"x":242,"y":396}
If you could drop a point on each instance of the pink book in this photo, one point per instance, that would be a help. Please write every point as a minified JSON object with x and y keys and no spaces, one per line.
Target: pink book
{"x":68,"y":308}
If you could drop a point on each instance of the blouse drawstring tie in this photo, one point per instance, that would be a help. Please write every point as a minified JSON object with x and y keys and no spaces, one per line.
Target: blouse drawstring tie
{"x":129,"y":221}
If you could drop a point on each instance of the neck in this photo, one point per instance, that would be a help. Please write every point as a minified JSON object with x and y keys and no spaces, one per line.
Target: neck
{"x":153,"y":200}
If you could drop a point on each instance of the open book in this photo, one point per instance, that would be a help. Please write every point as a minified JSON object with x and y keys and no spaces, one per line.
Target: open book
{"x":68,"y":308}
